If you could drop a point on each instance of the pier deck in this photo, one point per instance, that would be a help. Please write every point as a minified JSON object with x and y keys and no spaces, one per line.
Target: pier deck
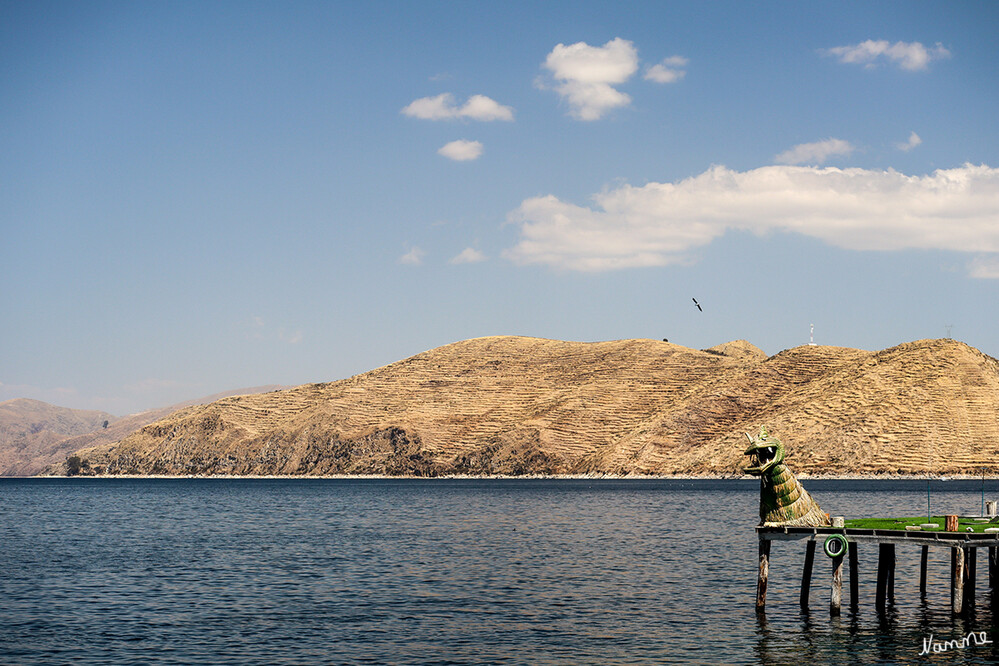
{"x":963,"y":544}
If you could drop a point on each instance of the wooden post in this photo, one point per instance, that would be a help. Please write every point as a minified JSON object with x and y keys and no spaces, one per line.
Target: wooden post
{"x":761,"y":582}
{"x":890,"y":548}
{"x":956,"y":580}
{"x":951,"y":524}
{"x":836,"y":595}
{"x":969,"y":580}
{"x":993,"y":570}
{"x":882,"y":588}
{"x":922,"y":571}
{"x":854,"y":578}
{"x":806,"y":574}
{"x":994,"y":576}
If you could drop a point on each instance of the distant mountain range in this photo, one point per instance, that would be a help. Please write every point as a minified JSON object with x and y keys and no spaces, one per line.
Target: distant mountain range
{"x":515,"y":405}
{"x":35,"y":434}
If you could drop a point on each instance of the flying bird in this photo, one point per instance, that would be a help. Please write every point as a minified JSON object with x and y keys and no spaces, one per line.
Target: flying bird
{"x":697,"y":304}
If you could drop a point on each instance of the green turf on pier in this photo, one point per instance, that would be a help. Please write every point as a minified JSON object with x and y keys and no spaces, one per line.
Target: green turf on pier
{"x":976,"y":524}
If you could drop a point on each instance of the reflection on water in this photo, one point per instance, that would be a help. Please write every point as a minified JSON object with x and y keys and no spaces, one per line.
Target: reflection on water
{"x":450,"y":571}
{"x":887,"y":640}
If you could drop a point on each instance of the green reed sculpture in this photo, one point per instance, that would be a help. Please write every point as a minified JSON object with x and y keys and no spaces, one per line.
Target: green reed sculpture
{"x":783,"y":500}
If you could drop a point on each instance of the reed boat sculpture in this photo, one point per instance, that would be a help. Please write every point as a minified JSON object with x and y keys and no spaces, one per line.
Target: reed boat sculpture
{"x":783,"y":500}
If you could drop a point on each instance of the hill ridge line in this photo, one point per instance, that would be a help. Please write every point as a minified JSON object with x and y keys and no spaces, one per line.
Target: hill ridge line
{"x":519,"y":405}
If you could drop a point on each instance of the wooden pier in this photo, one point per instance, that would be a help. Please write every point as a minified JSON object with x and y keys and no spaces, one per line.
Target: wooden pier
{"x":963,"y":546}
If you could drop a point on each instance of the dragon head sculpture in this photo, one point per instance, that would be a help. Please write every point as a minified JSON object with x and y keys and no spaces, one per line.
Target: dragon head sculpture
{"x":766,"y":451}
{"x":783,"y":500}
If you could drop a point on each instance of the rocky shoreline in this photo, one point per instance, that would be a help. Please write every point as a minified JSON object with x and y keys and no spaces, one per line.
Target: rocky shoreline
{"x":592,"y":477}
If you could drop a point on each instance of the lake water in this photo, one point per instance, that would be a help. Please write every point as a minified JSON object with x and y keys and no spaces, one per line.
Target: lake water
{"x":324,"y":571}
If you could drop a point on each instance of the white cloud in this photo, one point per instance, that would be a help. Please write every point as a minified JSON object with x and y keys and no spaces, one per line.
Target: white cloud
{"x":912,"y":56}
{"x":984,"y":267}
{"x":857,"y":209}
{"x":669,"y":70}
{"x":814,"y":153}
{"x":443,"y":107}
{"x":440,"y":107}
{"x":913,"y":141}
{"x":412,"y":258}
{"x":461,"y":150}
{"x":468,"y":256}
{"x":612,"y":63}
{"x":480,"y":107}
{"x":588,"y":74}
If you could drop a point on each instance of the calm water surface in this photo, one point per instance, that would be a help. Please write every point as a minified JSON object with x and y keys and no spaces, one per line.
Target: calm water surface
{"x":309,"y":571}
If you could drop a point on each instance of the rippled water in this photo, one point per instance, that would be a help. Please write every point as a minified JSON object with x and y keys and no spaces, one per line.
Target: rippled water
{"x":309,"y":571}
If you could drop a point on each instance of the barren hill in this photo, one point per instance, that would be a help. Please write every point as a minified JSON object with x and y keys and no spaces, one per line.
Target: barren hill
{"x":512,"y":405}
{"x":35,"y":434}
{"x":31,"y":430}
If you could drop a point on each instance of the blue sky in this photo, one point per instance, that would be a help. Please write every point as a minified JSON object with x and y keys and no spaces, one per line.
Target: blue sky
{"x":196,"y":197}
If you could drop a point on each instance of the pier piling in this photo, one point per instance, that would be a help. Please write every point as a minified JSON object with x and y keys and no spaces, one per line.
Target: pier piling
{"x":892,"y":559}
{"x":993,"y":569}
{"x":957,"y":580}
{"x":969,"y":581}
{"x":806,"y":575}
{"x":854,"y":578}
{"x":994,"y":576}
{"x":761,"y":582}
{"x":836,"y":595}
{"x":886,"y":573}
{"x":923,"y":556}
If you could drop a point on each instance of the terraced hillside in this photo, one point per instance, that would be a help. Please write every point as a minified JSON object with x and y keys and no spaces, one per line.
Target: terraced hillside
{"x":35,"y":435}
{"x":512,"y":405}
